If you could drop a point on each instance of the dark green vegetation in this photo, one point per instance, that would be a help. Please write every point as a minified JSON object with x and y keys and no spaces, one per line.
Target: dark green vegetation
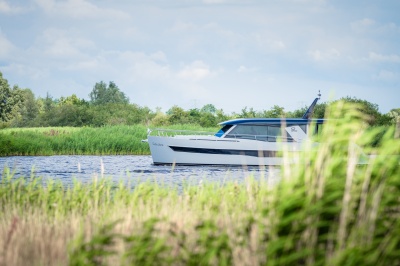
{"x":74,"y":141}
{"x":325,"y":210}
{"x":108,"y":105}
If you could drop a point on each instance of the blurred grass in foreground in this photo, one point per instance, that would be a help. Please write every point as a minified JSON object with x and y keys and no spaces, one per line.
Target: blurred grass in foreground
{"x":327,"y":209}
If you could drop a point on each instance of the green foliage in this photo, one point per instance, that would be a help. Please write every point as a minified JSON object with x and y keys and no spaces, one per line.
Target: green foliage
{"x":214,"y":247}
{"x":145,"y":248}
{"x":96,"y":250}
{"x":85,"y":140}
{"x":275,"y":112}
{"x":251,"y":113}
{"x":10,"y":100}
{"x":208,"y":108}
{"x":207,"y":120}
{"x":103,"y":94}
{"x":176,"y":115}
{"x":374,"y":117}
{"x":6,"y":144}
{"x":160,"y":119}
{"x":108,"y":105}
{"x":28,"y":110}
{"x":5,"y":94}
{"x":71,"y":100}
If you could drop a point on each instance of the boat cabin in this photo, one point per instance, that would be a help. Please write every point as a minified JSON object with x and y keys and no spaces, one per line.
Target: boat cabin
{"x":270,"y":129}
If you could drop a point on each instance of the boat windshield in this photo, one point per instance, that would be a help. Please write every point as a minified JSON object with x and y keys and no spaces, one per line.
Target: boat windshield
{"x":223,"y":130}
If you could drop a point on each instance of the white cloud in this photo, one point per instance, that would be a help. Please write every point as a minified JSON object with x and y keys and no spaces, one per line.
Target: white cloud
{"x":214,"y":1}
{"x":79,"y":9}
{"x":158,"y":56}
{"x":152,"y":50}
{"x":325,"y":55}
{"x":367,"y":25}
{"x":388,"y":76}
{"x":24,"y":70}
{"x":243,"y":69}
{"x":150,"y":70}
{"x":362,"y":25}
{"x":181,"y":26}
{"x":392,"y":58}
{"x":63,"y":44}
{"x":389,"y":27}
{"x":6,"y":8}
{"x":139,"y":65}
{"x":91,"y":64}
{"x":6,"y":47}
{"x":268,"y":42}
{"x":195,"y":71}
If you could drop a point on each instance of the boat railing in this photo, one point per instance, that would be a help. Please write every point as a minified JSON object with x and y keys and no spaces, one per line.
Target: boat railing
{"x":198,"y":134}
{"x":175,"y":132}
{"x":268,"y":138}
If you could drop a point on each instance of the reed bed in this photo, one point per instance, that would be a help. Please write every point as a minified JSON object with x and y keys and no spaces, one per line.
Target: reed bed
{"x":107,"y":140}
{"x":74,"y":141}
{"x":335,"y":206}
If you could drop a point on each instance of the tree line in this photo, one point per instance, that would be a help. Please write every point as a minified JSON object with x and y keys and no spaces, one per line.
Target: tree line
{"x":108,"y":105}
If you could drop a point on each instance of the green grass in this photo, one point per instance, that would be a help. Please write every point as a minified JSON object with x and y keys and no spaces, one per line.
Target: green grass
{"x":108,"y":140}
{"x":326,"y":210}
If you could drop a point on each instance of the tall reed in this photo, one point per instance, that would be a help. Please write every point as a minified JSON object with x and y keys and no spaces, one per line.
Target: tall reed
{"x":79,"y":141}
{"x":335,"y":206}
{"x":107,"y":140}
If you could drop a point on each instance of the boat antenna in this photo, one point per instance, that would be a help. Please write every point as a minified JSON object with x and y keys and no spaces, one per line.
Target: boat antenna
{"x":310,"y":110}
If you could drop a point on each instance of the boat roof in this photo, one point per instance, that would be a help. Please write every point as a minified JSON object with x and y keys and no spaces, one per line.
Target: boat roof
{"x":266,"y":121}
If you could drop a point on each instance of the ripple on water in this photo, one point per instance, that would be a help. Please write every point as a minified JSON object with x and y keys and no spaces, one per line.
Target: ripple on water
{"x":129,"y":168}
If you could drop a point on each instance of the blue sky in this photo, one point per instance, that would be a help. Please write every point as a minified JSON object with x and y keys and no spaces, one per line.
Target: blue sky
{"x":230,"y":53}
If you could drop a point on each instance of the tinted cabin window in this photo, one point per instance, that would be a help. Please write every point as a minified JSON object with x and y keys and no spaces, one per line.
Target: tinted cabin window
{"x":244,"y":132}
{"x":274,"y":132}
{"x":259,"y":132}
{"x":262,"y":132}
{"x":223,"y":130}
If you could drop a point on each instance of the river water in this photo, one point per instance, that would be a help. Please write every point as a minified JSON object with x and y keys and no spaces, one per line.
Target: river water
{"x":129,"y":168}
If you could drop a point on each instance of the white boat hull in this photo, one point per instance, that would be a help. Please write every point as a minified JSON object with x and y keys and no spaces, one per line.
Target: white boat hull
{"x":211,"y":150}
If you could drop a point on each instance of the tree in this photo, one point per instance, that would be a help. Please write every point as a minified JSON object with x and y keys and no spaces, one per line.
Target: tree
{"x":102,"y":94}
{"x":177,"y":115}
{"x":275,"y":112}
{"x":10,"y":99}
{"x":71,"y":100}
{"x":194,"y":115}
{"x":208,"y":108}
{"x":208,"y":120}
{"x":28,"y":110}
{"x":251,"y":113}
{"x":395,"y":115}
{"x":48,"y":103}
{"x":375,"y":118}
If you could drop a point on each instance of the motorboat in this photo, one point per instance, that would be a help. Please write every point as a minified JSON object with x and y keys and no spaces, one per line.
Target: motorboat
{"x":244,"y":141}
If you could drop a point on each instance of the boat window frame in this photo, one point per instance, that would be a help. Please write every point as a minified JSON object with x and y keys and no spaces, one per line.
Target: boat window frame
{"x":267,"y":138}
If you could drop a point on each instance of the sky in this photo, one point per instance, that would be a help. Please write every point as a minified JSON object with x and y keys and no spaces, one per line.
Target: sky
{"x":229,"y":53}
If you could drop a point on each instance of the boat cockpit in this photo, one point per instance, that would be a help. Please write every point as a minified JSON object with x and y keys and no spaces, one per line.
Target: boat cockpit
{"x":270,"y":130}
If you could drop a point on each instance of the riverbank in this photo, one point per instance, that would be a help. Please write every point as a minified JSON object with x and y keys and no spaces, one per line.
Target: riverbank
{"x":70,"y":140}
{"x":107,"y":140}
